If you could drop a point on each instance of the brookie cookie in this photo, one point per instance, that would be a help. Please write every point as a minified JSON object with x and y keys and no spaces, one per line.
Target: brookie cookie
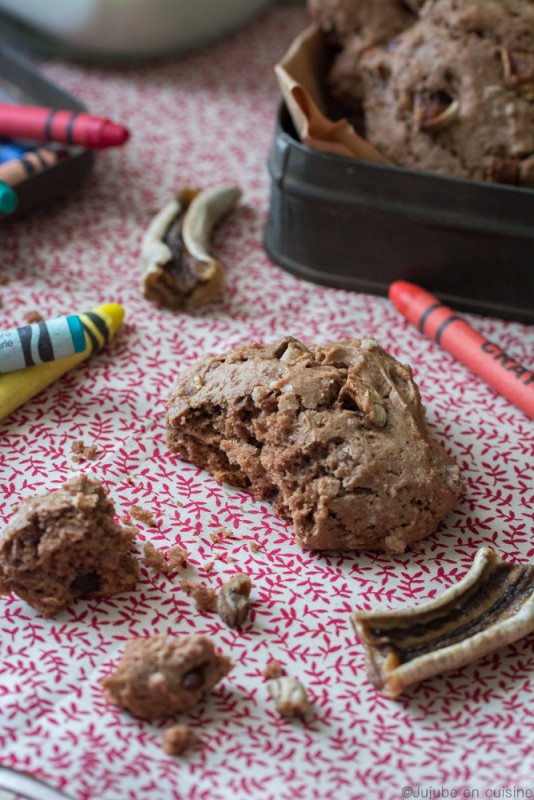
{"x":333,"y":435}
{"x":161,"y":676}
{"x":368,"y":21}
{"x":64,"y":545}
{"x":452,"y":94}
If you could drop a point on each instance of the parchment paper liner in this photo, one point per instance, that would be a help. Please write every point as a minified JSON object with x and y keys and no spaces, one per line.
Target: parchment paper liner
{"x":300,"y":76}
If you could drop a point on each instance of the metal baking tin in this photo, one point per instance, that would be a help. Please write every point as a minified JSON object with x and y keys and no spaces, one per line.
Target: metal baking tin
{"x":356,"y":225}
{"x":21,"y":82}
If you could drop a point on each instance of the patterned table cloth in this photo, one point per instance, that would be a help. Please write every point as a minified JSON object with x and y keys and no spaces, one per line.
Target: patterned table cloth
{"x":201,"y":120}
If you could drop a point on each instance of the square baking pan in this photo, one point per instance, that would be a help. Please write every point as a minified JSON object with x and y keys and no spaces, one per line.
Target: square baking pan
{"x":22,"y":83}
{"x":356,"y":225}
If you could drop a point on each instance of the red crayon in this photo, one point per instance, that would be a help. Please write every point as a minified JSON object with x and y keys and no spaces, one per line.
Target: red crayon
{"x":486,"y":359}
{"x":57,"y":125}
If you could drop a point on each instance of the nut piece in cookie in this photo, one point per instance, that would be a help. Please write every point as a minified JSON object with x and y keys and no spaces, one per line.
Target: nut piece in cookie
{"x":289,"y":696}
{"x":333,"y":435}
{"x":493,"y":605}
{"x":177,"y":269}
{"x":65,"y":545}
{"x":160,"y":676}
{"x":233,"y":600}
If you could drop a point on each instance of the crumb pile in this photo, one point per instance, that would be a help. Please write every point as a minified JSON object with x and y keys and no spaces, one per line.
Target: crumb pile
{"x":442,"y":85}
{"x":333,"y":435}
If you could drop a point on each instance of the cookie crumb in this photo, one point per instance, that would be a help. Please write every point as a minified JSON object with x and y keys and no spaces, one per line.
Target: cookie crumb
{"x":204,"y":597}
{"x":176,"y":556}
{"x":81,"y":451}
{"x":32,"y":317}
{"x":143,"y":515}
{"x":289,"y":695}
{"x":209,"y":567}
{"x":165,"y":561}
{"x":179,"y":738}
{"x":272,"y":669}
{"x":233,"y":602}
{"x":220,"y":534}
{"x":254,"y":547}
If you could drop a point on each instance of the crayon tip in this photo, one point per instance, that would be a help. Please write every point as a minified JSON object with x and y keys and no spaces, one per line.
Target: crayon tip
{"x":402,"y":294}
{"x":114,"y":314}
{"x":8,"y":198}
{"x":113,"y":135}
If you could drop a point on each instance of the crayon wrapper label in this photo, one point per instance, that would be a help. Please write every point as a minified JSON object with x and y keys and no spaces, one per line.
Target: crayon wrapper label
{"x":40,"y":343}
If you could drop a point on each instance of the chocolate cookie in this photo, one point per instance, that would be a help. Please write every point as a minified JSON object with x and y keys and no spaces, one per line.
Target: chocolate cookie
{"x":161,"y":676}
{"x":453,"y":93}
{"x":333,"y":435}
{"x":64,"y":545}
{"x":367,"y":20}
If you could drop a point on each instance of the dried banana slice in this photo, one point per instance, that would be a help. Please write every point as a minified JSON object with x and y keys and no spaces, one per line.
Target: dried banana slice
{"x":177,"y":270}
{"x":490,"y":607}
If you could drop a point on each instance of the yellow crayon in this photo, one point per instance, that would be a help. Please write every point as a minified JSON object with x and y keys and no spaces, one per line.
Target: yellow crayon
{"x":99,"y":326}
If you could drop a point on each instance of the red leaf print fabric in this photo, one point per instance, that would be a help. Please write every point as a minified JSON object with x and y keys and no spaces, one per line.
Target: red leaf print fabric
{"x":201,"y":120}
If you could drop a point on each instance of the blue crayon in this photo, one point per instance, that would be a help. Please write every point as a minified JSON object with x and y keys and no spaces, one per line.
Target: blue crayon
{"x":41,"y":342}
{"x":9,"y":151}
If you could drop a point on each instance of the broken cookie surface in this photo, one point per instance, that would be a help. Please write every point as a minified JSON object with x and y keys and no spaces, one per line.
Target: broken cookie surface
{"x":65,"y":545}
{"x":493,"y":605}
{"x":333,"y":435}
{"x":160,"y":676}
{"x":177,"y":268}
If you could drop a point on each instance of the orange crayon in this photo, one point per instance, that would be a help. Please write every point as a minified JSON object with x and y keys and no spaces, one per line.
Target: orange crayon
{"x":486,"y":359}
{"x":31,"y":163}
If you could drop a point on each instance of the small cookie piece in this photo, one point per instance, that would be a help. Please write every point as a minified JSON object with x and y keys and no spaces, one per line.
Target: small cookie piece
{"x":81,"y":451}
{"x":143,"y":515}
{"x":161,"y":676}
{"x":233,"y":600}
{"x":179,"y":738}
{"x":289,"y":695}
{"x":333,"y":435}
{"x":491,"y":606}
{"x":204,"y":596}
{"x":177,"y":268}
{"x":164,"y":561}
{"x":272,"y":669}
{"x":64,"y":545}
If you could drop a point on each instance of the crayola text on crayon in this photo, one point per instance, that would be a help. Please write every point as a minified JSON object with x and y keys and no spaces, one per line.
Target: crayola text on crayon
{"x":508,"y":363}
{"x":41,"y":342}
